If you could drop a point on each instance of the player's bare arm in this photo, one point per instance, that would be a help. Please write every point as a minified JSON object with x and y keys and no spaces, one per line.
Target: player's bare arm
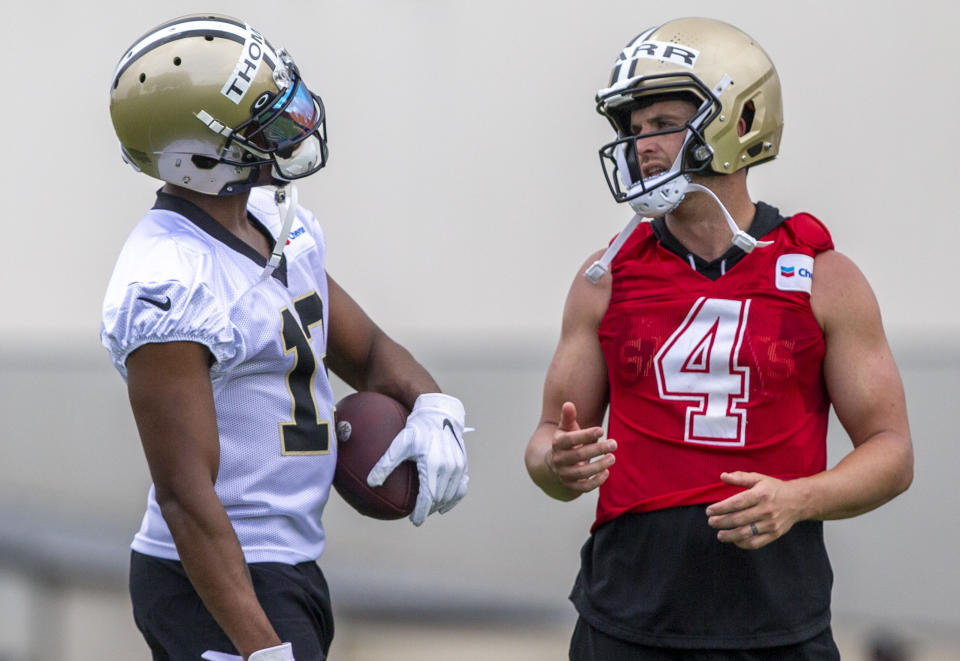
{"x":867,"y":394}
{"x":172,"y":401}
{"x":565,"y":456}
{"x":365,"y":357}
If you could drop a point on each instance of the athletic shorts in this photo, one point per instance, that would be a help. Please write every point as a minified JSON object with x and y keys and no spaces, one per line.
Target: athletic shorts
{"x":178,"y":627}
{"x":590,"y":644}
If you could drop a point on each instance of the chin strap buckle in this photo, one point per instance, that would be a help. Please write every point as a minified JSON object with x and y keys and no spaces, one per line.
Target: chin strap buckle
{"x":596,"y":271}
{"x":599,"y":268}
{"x":747,"y":243}
{"x":740,"y":239}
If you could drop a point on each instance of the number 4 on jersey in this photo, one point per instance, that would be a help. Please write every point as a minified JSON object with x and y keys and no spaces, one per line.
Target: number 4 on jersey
{"x":698,"y":364}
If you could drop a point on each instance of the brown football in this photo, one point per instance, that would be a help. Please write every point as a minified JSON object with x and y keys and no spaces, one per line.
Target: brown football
{"x":366,"y":423}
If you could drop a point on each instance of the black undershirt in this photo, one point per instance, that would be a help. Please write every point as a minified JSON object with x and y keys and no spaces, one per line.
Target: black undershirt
{"x":766,"y":219}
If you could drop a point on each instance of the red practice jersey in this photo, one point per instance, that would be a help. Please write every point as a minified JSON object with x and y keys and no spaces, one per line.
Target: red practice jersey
{"x":708,"y":376}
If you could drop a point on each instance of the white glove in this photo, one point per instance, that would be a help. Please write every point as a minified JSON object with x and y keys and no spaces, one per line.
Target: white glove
{"x":433,"y":436}
{"x":282,"y":652}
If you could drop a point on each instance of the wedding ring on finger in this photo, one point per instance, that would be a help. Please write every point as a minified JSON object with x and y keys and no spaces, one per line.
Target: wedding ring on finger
{"x":753,"y":528}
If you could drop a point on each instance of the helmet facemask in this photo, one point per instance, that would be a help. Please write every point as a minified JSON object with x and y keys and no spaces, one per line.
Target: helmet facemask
{"x":286,"y":130}
{"x":663,"y":192}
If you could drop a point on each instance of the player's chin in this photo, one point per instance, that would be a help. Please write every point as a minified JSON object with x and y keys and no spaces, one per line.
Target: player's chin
{"x":265,"y":177}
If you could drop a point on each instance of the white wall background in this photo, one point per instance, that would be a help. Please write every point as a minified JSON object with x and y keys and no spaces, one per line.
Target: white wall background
{"x":464,"y":187}
{"x":462,"y":193}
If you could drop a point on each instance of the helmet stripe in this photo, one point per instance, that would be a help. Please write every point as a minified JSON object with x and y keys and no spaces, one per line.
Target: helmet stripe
{"x":188,"y":19}
{"x":627,"y":53}
{"x":190,"y":27}
{"x":643,"y":36}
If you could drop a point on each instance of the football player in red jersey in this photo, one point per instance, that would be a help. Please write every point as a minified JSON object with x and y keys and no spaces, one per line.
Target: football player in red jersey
{"x":718,"y":360}
{"x":221,"y":318}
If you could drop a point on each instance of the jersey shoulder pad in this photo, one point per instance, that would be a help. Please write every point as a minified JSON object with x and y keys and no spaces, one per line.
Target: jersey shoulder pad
{"x":642,"y":233}
{"x":810,"y":230}
{"x":163,"y":289}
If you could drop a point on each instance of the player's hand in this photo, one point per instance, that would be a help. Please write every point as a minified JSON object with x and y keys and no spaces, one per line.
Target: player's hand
{"x":753,"y":518}
{"x":282,"y":652}
{"x":578,"y":459}
{"x":433,"y":437}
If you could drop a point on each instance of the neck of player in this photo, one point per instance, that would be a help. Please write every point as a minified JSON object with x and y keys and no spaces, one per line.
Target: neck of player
{"x":228,"y":210}
{"x":698,"y":223}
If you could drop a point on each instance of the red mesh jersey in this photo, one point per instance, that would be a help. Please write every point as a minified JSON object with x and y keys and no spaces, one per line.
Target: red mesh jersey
{"x":711,"y":376}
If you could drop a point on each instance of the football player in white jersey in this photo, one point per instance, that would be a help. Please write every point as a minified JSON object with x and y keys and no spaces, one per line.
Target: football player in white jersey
{"x":222,"y":320}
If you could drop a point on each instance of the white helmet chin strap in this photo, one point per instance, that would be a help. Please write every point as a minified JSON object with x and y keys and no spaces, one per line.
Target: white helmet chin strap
{"x":683,"y":185}
{"x":286,"y":199}
{"x":597,"y":270}
{"x":740,"y":239}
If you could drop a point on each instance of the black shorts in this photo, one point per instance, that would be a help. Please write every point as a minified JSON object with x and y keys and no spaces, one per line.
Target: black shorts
{"x":662,"y":579}
{"x":178,"y":627}
{"x":590,"y":644}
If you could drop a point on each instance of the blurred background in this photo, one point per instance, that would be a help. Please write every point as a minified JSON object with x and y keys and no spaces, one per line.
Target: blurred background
{"x":462,"y":194}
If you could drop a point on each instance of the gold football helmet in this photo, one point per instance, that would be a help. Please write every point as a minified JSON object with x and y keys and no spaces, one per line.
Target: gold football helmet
{"x":204,"y":102}
{"x":719,"y":69}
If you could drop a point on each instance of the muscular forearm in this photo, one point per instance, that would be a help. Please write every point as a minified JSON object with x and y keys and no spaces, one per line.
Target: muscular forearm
{"x":876,"y":471}
{"x":393,"y":371}
{"x":213,"y":560}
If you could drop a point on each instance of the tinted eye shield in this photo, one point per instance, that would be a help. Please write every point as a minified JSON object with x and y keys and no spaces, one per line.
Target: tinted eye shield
{"x":277,"y":131}
{"x":296,"y":114}
{"x":289,"y":120}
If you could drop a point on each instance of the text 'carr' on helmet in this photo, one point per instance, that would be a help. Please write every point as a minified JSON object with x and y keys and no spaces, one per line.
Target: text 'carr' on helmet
{"x":205,"y":102}
{"x":724,"y":68}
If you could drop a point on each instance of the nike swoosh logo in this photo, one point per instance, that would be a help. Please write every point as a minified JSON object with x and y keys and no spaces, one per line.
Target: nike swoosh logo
{"x":163,"y":304}
{"x":449,"y":425}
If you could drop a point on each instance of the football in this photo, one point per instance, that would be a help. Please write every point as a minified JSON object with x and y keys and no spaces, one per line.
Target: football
{"x":366,"y":423}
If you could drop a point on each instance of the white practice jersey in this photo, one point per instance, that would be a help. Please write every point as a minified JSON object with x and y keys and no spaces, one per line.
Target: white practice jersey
{"x":182,"y":277}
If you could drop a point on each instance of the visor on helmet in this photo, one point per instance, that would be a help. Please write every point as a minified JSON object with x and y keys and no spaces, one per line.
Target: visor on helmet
{"x":290,"y":133}
{"x":292,"y":117}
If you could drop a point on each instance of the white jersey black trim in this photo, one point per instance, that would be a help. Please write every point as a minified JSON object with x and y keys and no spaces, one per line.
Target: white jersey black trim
{"x":205,"y":222}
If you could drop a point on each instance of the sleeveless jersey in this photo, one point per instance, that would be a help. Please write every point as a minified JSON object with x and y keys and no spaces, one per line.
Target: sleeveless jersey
{"x":182,"y":277}
{"x":708,"y":376}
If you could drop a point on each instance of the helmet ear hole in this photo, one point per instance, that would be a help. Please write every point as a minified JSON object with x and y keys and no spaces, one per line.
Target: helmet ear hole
{"x":749,"y":112}
{"x":203,"y":162}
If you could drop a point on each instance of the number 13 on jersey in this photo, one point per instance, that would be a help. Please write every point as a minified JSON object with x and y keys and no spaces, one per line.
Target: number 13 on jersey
{"x":699,"y":364}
